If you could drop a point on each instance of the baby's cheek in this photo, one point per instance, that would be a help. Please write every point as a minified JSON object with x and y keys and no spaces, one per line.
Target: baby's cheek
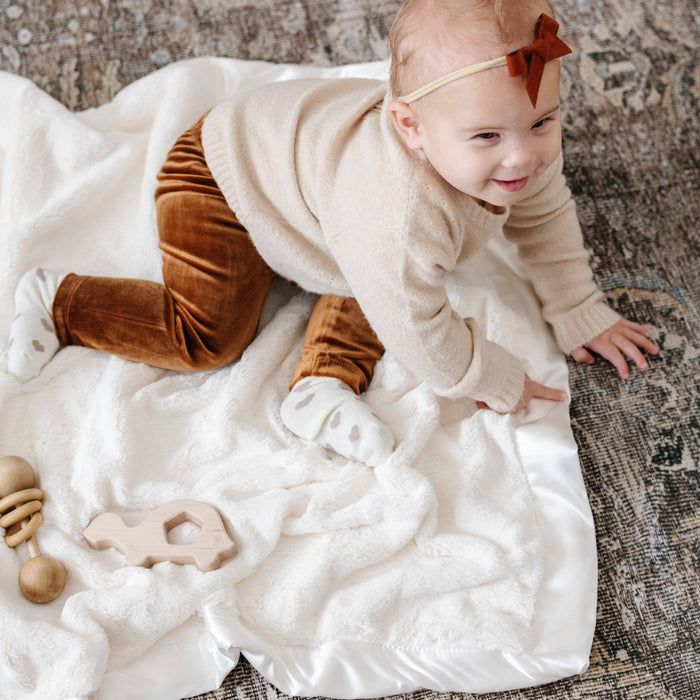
{"x":549,"y":156}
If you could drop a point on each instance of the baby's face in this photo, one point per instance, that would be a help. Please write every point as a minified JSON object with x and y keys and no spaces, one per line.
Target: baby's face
{"x":484,"y":137}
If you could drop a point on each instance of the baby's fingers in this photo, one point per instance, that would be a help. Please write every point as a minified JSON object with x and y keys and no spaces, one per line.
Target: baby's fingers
{"x":582,"y":355}
{"x":540,"y":391}
{"x":635,"y":327}
{"x":612,"y":350}
{"x":630,"y":338}
{"x":631,"y":349}
{"x":625,"y":337}
{"x":642,"y":340}
{"x":606,"y":345}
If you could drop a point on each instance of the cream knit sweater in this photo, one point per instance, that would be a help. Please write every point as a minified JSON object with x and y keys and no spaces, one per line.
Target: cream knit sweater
{"x":335,"y":201}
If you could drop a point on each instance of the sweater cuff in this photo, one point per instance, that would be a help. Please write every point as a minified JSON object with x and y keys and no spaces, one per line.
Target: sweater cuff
{"x":579,"y":326}
{"x":493,"y":375}
{"x":502,"y":378}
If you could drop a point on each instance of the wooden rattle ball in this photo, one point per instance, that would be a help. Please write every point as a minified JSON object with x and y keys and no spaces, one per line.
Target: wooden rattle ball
{"x":16,"y":474}
{"x":42,"y":579}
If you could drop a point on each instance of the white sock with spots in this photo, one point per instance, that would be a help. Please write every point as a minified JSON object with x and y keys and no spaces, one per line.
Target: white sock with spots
{"x":326,"y":411}
{"x":33,"y":340}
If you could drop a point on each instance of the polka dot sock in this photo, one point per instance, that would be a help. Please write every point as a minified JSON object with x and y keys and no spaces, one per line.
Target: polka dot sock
{"x":33,"y":340}
{"x":326,"y":411}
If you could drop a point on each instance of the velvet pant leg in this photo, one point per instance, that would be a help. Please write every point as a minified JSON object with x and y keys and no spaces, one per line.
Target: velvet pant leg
{"x":339,"y":343}
{"x":206,"y":311}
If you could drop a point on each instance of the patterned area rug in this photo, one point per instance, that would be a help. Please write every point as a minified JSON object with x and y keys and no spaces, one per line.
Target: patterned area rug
{"x":630,"y":103}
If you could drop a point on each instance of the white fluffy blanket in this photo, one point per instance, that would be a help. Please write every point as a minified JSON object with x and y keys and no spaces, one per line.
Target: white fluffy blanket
{"x":465,"y":563}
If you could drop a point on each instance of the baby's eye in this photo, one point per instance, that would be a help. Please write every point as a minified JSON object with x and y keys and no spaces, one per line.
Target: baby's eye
{"x":541,"y":123}
{"x":487,"y":136}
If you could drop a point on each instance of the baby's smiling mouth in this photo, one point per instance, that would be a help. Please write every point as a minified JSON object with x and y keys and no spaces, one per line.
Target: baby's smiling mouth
{"x":512,"y":185}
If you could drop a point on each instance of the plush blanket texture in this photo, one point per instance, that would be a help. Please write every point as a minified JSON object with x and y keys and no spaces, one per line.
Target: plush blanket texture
{"x":630,"y":104}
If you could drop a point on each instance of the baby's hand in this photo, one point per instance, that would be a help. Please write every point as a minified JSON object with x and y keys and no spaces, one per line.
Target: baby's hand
{"x":532,"y":390}
{"x":624,"y":337}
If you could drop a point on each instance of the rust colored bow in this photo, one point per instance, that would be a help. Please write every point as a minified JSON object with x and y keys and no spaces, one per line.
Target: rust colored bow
{"x":529,"y":61}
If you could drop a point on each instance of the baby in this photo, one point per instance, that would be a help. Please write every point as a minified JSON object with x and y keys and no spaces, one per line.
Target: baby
{"x":368,"y":198}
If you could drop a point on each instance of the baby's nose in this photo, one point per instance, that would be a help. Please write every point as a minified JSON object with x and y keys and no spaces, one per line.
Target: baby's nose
{"x":518,"y":156}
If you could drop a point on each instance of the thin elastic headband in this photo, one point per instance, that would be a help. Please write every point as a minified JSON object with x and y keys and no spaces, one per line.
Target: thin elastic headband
{"x":528,"y":61}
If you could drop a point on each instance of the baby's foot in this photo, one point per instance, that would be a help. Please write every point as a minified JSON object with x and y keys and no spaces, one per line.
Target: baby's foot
{"x":326,"y":411}
{"x":33,"y":340}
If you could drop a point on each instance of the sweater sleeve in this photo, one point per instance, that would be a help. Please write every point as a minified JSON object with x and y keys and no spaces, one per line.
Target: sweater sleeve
{"x":405,"y":302}
{"x":546,"y":230}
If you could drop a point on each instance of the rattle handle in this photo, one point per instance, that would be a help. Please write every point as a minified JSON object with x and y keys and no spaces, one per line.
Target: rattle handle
{"x":33,"y":546}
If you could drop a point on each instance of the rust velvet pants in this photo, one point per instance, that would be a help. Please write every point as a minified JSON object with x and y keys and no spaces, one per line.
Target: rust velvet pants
{"x":206,"y":311}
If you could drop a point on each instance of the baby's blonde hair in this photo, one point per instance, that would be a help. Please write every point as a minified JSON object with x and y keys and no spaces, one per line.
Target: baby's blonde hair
{"x":428,"y":33}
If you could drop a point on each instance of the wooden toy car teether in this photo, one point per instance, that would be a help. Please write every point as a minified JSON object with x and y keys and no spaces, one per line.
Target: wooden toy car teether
{"x":41,"y":579}
{"x":147,"y":543}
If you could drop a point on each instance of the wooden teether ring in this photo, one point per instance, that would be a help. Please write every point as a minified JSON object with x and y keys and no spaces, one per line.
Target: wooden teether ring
{"x":21,"y":509}
{"x":41,"y":579}
{"x":20,"y":513}
{"x":19,"y":497}
{"x":25,"y":532}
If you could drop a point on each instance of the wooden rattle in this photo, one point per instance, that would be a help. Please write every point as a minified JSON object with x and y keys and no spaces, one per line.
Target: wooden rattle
{"x":41,"y":579}
{"x":147,"y":543}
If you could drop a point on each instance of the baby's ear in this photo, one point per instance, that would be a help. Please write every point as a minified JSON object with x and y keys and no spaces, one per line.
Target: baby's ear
{"x":408,"y":124}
